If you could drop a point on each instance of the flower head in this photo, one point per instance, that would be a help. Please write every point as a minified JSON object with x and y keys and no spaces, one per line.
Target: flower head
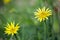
{"x":11,"y":29}
{"x":42,"y":14}
{"x":6,"y":1}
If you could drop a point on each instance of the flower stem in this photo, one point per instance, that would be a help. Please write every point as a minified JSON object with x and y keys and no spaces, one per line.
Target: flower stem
{"x":45,"y":31}
{"x":11,"y":38}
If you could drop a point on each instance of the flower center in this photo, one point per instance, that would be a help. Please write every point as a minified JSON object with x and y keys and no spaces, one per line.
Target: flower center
{"x":43,"y":15}
{"x":12,"y":30}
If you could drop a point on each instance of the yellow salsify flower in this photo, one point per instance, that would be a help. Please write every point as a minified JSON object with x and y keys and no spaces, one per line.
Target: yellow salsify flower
{"x":11,"y":29}
{"x":6,"y":1}
{"x":42,"y":14}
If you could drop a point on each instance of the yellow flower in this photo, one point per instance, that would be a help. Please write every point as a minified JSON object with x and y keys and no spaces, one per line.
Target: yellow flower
{"x":6,"y":1}
{"x":42,"y":14}
{"x":11,"y":29}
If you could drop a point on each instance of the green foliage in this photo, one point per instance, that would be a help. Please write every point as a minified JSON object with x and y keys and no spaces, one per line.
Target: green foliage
{"x":30,"y":28}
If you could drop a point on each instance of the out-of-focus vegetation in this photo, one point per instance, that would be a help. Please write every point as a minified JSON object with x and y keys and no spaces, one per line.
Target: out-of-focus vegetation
{"x":22,"y":12}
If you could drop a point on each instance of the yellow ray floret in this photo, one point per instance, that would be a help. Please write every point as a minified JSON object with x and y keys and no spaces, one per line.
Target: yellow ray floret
{"x":11,"y":29}
{"x":6,"y":1}
{"x":42,"y":14}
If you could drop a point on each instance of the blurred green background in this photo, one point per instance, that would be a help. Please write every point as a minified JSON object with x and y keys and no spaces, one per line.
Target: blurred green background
{"x":22,"y":12}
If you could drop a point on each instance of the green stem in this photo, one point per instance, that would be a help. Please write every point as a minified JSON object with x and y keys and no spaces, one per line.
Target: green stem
{"x":58,"y":14}
{"x":38,"y":35}
{"x":53,"y":36}
{"x":11,"y":38}
{"x":45,"y":31}
{"x":17,"y":37}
